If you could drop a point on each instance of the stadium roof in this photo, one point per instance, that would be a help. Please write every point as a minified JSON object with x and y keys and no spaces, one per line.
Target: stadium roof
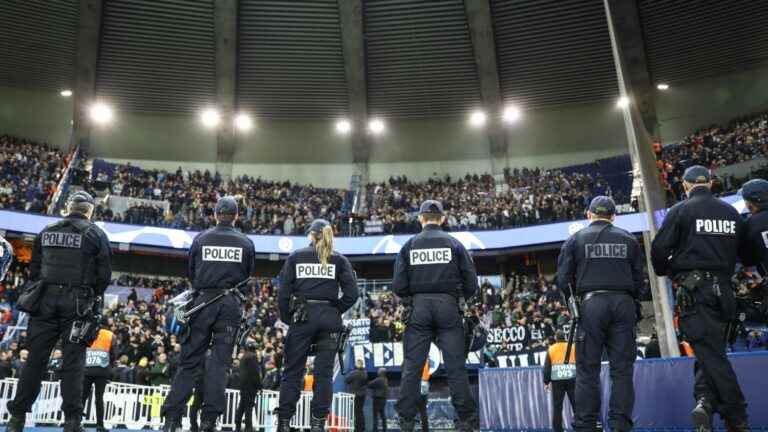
{"x":159,"y":56}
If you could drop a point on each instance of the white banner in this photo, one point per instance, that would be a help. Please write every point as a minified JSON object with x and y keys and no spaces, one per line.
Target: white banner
{"x":361,"y":329}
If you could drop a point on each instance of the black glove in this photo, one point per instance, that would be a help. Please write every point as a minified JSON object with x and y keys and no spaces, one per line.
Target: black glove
{"x":638,"y":310}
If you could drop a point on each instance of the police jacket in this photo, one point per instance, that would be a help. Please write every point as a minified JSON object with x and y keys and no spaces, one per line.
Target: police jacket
{"x":434,"y":262}
{"x":601,"y":257}
{"x":303,"y":274}
{"x":755,"y":246}
{"x":220,"y":258}
{"x":700,"y":233}
{"x":72,"y":251}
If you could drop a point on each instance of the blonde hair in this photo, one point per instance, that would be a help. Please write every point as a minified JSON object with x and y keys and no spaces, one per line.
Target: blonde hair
{"x":324,"y":244}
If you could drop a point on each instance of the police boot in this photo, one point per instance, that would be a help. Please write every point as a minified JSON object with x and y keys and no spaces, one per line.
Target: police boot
{"x":316,"y":424}
{"x":172,"y":424}
{"x":283,"y":425}
{"x":736,"y":426}
{"x":15,"y":424}
{"x":208,"y":426}
{"x":407,"y":425}
{"x":701,"y":416}
{"x":73,"y":425}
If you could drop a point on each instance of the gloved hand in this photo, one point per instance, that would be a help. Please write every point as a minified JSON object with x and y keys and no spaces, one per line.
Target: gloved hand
{"x":638,"y":310}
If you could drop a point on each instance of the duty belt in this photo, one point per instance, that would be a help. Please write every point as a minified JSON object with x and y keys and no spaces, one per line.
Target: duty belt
{"x":319,"y":302}
{"x":591,"y":294}
{"x":57,"y":288}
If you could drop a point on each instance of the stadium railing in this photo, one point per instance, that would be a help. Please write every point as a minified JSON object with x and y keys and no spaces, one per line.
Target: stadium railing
{"x":137,"y":407}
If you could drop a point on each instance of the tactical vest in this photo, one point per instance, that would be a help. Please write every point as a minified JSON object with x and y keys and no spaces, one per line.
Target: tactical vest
{"x":64,"y":261}
{"x":97,"y":355}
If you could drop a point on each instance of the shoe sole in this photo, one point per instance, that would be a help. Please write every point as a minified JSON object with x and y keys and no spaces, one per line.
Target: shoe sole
{"x":701,"y":422}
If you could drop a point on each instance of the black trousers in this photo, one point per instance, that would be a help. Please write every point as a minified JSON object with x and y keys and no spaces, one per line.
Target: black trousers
{"x":321,"y":320}
{"x":607,"y":323}
{"x":435,"y":318}
{"x":423,"y":415}
{"x":213,"y":328}
{"x":52,"y":322}
{"x":715,"y":381}
{"x":560,"y":389}
{"x":379,"y":414}
{"x":100,"y":382}
{"x":197,"y":400}
{"x":245,"y":408}
{"x":359,"y":413}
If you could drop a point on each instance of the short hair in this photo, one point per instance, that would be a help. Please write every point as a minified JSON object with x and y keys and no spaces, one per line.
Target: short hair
{"x":432,"y":217}
{"x":79,"y":207}
{"x":226,"y":218}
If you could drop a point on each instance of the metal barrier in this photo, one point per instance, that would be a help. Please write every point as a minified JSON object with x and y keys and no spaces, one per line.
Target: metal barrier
{"x":137,"y":407}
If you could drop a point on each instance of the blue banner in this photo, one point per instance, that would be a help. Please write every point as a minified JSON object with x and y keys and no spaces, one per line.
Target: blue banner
{"x":515,"y":399}
{"x":373,"y":245}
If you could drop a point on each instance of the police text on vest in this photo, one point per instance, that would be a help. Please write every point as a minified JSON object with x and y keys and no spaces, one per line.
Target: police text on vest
{"x":606,"y":250}
{"x":430,"y":256}
{"x":60,"y":239}
{"x":715,"y":227}
{"x":223,"y":254}
{"x":315,"y":271}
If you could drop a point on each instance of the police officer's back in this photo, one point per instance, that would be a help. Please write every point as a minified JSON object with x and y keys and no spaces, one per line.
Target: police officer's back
{"x":754,"y":251}
{"x":603,"y":264}
{"x":220,"y":258}
{"x":310,"y":279}
{"x":697,"y":247}
{"x":432,"y":271}
{"x":71,"y":260}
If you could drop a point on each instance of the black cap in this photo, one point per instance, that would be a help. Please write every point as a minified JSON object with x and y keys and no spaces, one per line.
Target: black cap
{"x":80,"y":197}
{"x":602,"y":205}
{"x":697,"y":174}
{"x":431,"y":207}
{"x":226,"y":205}
{"x":317,"y":225}
{"x":755,"y":191}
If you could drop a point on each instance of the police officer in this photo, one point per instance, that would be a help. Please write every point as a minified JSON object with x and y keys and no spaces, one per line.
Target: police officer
{"x":755,"y":247}
{"x":220,"y":258}
{"x":310,"y":280}
{"x":98,"y":360}
{"x":603,"y":265}
{"x":432,"y":271}
{"x":250,"y":385}
{"x":71,"y":259}
{"x":697,"y":247}
{"x":559,"y":379}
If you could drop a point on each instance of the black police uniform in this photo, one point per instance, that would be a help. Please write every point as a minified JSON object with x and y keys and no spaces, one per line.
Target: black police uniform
{"x":434,"y":269}
{"x":604,"y":264}
{"x":703,"y":234}
{"x":303,"y":274}
{"x":71,"y":258}
{"x":754,"y":250}
{"x":219,"y":259}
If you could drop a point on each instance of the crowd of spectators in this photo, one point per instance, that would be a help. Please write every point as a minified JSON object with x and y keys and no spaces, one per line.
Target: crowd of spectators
{"x":146,"y":334}
{"x":742,"y":140}
{"x":29,"y":174}
{"x":477,"y":202}
{"x":268,"y":207}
